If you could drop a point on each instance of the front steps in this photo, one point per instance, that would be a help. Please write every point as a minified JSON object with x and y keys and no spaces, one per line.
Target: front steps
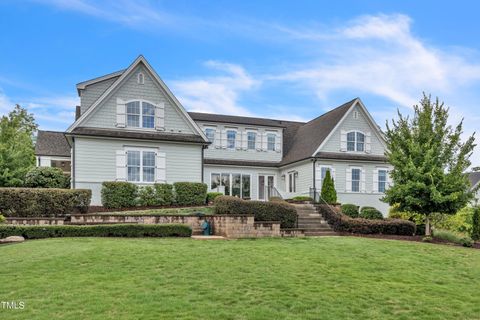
{"x":311,"y":221}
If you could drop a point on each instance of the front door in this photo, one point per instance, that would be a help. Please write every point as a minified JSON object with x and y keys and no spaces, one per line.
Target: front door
{"x":265,"y":186}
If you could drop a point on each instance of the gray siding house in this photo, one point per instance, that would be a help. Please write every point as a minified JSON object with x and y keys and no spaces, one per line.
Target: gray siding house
{"x":130,"y":127}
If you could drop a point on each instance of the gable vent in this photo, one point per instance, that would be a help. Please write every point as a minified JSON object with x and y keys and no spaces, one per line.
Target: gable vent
{"x":140,"y":78}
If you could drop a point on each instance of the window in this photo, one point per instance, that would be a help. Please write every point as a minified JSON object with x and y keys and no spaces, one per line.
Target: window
{"x":141,"y":166}
{"x":140,"y":78}
{"x":292,"y":181}
{"x":251,"y":140}
{"x":140,"y":113}
{"x":355,"y":141}
{"x":356,"y":174}
{"x":210,"y":133}
{"x":323,"y":173}
{"x":271,"y":142}
{"x":231,"y":137}
{"x":234,"y":184}
{"x":382,"y":180}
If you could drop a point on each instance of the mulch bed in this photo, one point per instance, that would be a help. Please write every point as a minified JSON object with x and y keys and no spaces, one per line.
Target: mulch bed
{"x":476,"y":245}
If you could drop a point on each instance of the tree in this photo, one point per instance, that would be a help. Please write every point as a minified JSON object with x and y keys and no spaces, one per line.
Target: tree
{"x":476,"y":224}
{"x":328,"y":189}
{"x":17,"y":153}
{"x":429,"y":161}
{"x":46,"y":177}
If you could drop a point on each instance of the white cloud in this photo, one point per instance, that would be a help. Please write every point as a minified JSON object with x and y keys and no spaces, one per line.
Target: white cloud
{"x":216,"y":94}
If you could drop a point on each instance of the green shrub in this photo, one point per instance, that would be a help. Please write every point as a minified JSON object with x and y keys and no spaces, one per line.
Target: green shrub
{"x":119,"y":194}
{"x":343,"y":223}
{"x":302,"y":198}
{"x":453,"y":237}
{"x":2,"y":219}
{"x":416,"y":218}
{"x":147,"y":196}
{"x":276,"y":199}
{"x":476,"y":224}
{"x":39,"y":202}
{"x":112,"y":230}
{"x":211,"y":196}
{"x":328,"y":193}
{"x":47,"y":177}
{"x":263,"y":211}
{"x":190,"y":193}
{"x":370,"y":213}
{"x":350,"y":210}
{"x":164,"y":194}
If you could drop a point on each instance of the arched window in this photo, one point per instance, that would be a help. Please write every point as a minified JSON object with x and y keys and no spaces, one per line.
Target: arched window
{"x":140,"y":78}
{"x":355,"y":141}
{"x":140,"y":114}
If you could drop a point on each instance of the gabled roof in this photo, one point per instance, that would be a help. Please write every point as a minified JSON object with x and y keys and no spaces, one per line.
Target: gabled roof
{"x":474,"y":178}
{"x":222,"y":118}
{"x":308,"y":137}
{"x":120,"y":79}
{"x":82,"y":85}
{"x":52,"y":143}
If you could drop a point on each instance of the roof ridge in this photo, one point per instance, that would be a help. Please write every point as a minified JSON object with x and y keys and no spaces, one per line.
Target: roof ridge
{"x":250,"y":117}
{"x":329,"y":111}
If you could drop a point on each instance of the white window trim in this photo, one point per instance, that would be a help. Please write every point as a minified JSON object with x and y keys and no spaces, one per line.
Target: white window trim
{"x":230,"y":180}
{"x":214,"y":132}
{"x":235,"y":140}
{"x":364,"y":141}
{"x":274,"y":134}
{"x":359,"y":181}
{"x":141,"y":149}
{"x":247,"y":131}
{"x":376,"y":179}
{"x":141,"y":128}
{"x":295,"y":181}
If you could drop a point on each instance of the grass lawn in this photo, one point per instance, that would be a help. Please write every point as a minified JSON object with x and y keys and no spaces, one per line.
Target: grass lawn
{"x":163,"y":212}
{"x":314,"y":278}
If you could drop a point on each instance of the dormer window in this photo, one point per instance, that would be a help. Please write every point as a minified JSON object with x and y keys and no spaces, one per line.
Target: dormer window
{"x":231,"y":137}
{"x":355,"y":141}
{"x":271,"y":142}
{"x":140,"y":78}
{"x":210,"y":133}
{"x":140,"y":114}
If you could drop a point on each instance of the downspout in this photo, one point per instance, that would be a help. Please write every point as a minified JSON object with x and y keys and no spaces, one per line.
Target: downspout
{"x":314,"y":178}
{"x":203,"y":151}
{"x":73,"y":163}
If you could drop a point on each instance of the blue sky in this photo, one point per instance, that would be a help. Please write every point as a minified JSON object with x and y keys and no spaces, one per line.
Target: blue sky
{"x":281,"y":59}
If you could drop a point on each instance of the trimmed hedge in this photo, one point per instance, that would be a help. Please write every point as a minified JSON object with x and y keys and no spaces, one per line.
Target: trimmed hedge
{"x":350,"y":210}
{"x":343,"y":223}
{"x":164,"y":194}
{"x":39,"y":202}
{"x":263,"y":211}
{"x":115,"y":230}
{"x":47,"y":177}
{"x":370,"y":213}
{"x":190,"y":193}
{"x":119,"y":194}
{"x":211,"y":196}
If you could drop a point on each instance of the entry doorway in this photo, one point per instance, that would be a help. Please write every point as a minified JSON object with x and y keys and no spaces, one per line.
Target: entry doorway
{"x":266,"y":184}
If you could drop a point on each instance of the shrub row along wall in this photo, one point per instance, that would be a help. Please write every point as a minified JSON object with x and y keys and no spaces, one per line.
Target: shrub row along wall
{"x":118,"y":230}
{"x":263,"y":211}
{"x":116,"y":194}
{"x":38,"y":202}
{"x":343,"y":223}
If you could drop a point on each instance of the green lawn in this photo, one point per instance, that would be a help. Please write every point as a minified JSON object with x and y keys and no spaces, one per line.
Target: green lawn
{"x":163,"y":212}
{"x":314,"y":278}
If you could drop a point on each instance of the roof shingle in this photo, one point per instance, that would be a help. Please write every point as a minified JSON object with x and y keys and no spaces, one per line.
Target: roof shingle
{"x":52,"y":143}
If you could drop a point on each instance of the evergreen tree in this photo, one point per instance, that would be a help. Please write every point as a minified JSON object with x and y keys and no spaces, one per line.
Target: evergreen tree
{"x":17,"y":154}
{"x":328,"y":189}
{"x":429,"y":161}
{"x":476,"y":224}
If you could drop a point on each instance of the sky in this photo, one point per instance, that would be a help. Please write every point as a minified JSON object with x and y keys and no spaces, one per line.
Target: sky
{"x":290,"y":60}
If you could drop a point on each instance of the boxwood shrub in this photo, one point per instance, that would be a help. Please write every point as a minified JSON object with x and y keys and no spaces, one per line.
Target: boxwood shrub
{"x":350,"y":210}
{"x":263,"y":211}
{"x":113,"y":230}
{"x":119,"y":194}
{"x":190,"y":193}
{"x":164,"y":194}
{"x":47,"y":177}
{"x":211,"y":196}
{"x":343,"y":223}
{"x":39,"y":202}
{"x":370,"y":213}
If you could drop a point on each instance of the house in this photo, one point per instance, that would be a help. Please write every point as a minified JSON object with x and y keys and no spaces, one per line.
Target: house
{"x":474,"y":178}
{"x":130,"y":127}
